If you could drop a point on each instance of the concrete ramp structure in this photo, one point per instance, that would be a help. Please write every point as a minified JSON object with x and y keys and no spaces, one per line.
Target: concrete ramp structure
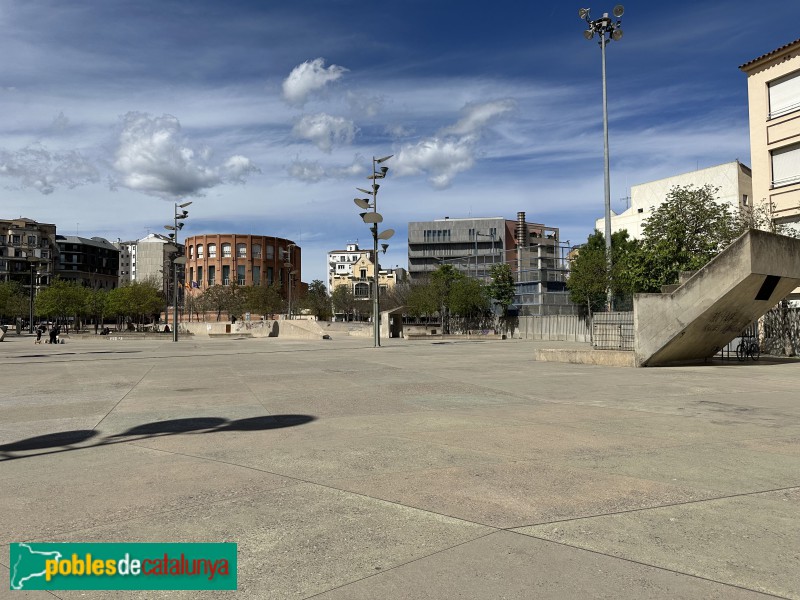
{"x":715,"y":304}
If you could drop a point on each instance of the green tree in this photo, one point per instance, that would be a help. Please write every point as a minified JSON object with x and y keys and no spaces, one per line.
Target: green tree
{"x":13,"y":300}
{"x":264,"y":299}
{"x":215,"y":298}
{"x":95,"y":307}
{"x":62,"y":299}
{"x":135,"y":302}
{"x":317,"y":300}
{"x":421,"y":301}
{"x":589,"y":278}
{"x":344,"y":302}
{"x":683,"y":234}
{"x":441,"y":282}
{"x":502,"y":290}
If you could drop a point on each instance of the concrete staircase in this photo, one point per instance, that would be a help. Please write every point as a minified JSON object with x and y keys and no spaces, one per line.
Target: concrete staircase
{"x":710,"y":307}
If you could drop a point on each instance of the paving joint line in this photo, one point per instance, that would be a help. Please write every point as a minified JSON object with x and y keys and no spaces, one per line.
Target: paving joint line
{"x":642,"y":509}
{"x":133,"y":387}
{"x":652,"y":566}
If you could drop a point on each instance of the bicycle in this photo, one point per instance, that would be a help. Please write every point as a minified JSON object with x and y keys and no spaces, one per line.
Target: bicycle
{"x":748,"y":348}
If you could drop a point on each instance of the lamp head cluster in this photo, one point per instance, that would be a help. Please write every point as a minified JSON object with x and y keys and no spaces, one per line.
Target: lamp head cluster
{"x":603,"y":26}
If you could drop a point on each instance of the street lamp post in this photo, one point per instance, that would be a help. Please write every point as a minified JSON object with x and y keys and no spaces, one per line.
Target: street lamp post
{"x":34,"y":264}
{"x":373,"y":218}
{"x":287,"y":258}
{"x":607,"y":29}
{"x":176,"y":260}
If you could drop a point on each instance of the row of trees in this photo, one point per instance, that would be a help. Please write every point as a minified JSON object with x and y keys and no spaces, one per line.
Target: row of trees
{"x":685,"y":232}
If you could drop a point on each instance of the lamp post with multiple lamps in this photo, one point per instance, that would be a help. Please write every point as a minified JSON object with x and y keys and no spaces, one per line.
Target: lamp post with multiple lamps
{"x":287,"y":262}
{"x":372,"y":219}
{"x":34,"y":262}
{"x":607,"y":29}
{"x":177,"y":225}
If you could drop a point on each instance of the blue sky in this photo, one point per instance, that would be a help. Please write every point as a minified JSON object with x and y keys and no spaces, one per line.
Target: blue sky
{"x":266,"y":114}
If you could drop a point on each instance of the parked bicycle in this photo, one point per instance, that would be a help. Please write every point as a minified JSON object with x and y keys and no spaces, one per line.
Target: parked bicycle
{"x":748,"y":348}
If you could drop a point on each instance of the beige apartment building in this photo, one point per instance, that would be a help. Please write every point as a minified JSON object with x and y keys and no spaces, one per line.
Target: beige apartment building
{"x":773,"y":90}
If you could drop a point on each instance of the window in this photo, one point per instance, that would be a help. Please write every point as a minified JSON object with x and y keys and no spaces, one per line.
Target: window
{"x":31,"y":240}
{"x":341,"y":267}
{"x":199,"y":250}
{"x":212,"y":271}
{"x":270,"y":252}
{"x":200,"y":276}
{"x":226,"y":271}
{"x":240,"y":274}
{"x":744,"y":199}
{"x":241,"y":250}
{"x":270,"y":273}
{"x":363,"y":273}
{"x":226,"y":250}
{"x":786,"y":166}
{"x":191,"y":274}
{"x":361,"y":290}
{"x":256,"y":275}
{"x":256,"y":250}
{"x":191,"y":251}
{"x":471,"y":234}
{"x":212,"y":251}
{"x":784,"y":96}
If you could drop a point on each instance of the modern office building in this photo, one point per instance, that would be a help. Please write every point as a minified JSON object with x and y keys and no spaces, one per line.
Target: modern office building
{"x":773,"y":91}
{"x":474,"y":245}
{"x":222,"y":259}
{"x":92,"y":262}
{"x":733,"y":180}
{"x":28,"y":252}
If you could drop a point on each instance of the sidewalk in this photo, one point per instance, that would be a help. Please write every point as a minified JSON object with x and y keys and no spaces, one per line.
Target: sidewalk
{"x":412,"y":471}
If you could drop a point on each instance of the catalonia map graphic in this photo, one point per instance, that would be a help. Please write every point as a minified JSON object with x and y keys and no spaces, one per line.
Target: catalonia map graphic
{"x":27,"y":564}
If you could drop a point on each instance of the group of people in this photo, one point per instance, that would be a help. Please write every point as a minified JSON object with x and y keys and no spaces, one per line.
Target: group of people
{"x":55,"y":331}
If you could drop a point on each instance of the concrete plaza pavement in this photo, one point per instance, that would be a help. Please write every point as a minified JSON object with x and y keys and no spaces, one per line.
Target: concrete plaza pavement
{"x":415,"y":471}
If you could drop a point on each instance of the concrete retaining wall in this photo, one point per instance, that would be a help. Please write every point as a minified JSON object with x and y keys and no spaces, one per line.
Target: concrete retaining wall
{"x":608,"y":358}
{"x":563,"y":328}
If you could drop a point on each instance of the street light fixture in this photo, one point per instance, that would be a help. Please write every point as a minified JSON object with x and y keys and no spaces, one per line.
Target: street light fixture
{"x":176,"y":260}
{"x":373,"y":218}
{"x":34,"y":262}
{"x":287,"y":258}
{"x":607,"y":29}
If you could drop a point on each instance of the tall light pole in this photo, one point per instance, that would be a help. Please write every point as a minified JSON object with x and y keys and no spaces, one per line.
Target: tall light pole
{"x":287,"y":262}
{"x":607,"y":29}
{"x":34,"y":264}
{"x":373,"y":218}
{"x":176,"y":260}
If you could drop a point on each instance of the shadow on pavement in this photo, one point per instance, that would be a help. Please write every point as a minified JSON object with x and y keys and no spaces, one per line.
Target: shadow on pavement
{"x":64,"y":440}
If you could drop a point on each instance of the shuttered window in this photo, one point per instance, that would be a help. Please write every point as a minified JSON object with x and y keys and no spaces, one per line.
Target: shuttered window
{"x":784,"y":96}
{"x":786,"y":166}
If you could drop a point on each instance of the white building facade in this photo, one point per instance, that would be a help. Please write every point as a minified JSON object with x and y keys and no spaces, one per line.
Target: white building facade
{"x":734,"y":181}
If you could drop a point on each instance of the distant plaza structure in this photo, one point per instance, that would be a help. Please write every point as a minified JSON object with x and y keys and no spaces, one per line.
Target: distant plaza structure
{"x":354,"y":267}
{"x":533,"y":251}
{"x":92,"y":262}
{"x":733,"y":180}
{"x":249,"y":260}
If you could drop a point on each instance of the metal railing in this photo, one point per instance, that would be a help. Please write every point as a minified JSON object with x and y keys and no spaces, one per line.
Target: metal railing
{"x":613,"y":331}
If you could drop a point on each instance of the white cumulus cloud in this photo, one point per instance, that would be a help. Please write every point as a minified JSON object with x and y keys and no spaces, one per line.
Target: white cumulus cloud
{"x":453,"y":150}
{"x":308,"y":77}
{"x":325,"y":131}
{"x":154,"y":157}
{"x":441,"y":159}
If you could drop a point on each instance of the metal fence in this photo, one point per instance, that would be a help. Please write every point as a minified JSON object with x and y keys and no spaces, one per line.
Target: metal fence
{"x":613,"y":331}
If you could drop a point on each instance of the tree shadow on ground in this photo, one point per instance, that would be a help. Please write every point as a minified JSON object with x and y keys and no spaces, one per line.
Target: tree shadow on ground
{"x":64,"y":441}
